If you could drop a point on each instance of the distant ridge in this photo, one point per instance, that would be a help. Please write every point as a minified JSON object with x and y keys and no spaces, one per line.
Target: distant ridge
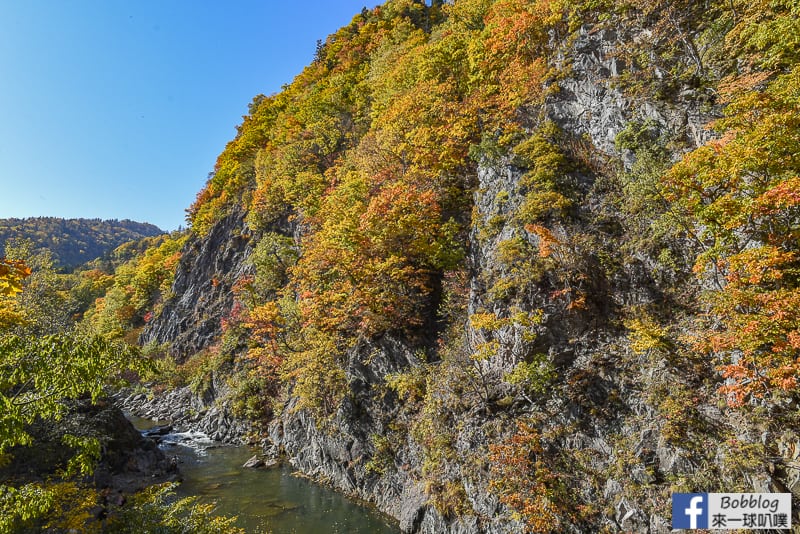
{"x":74,"y":241}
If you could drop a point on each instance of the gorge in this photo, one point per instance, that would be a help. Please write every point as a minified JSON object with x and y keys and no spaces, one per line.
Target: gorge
{"x":498,"y":266}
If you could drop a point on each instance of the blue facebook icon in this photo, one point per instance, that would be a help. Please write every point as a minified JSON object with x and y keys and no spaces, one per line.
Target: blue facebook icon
{"x":690,"y":510}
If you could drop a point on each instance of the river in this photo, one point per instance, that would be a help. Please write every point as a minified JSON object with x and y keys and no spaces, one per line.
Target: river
{"x":265,"y":500}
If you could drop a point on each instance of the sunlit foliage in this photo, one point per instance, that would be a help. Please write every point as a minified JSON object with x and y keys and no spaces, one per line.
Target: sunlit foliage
{"x":359,"y":176}
{"x":740,"y":194}
{"x":42,"y":365}
{"x":73,"y":242}
{"x":136,"y":288}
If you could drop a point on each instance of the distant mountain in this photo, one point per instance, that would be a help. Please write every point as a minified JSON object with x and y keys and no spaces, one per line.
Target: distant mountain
{"x":74,"y":241}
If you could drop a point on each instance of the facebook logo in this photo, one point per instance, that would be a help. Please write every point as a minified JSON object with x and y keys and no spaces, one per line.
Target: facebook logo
{"x":689,"y":510}
{"x":747,"y":511}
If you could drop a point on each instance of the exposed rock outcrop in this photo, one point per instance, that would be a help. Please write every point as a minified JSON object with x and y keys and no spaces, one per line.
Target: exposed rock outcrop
{"x":128,"y":461}
{"x":191,"y":319}
{"x":187,"y":410}
{"x":596,"y":412}
{"x":339,"y":451}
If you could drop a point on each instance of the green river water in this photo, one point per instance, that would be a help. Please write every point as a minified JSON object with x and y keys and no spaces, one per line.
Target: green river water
{"x":265,"y":500}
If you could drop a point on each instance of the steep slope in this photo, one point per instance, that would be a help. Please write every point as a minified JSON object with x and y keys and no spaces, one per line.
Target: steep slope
{"x":507,"y":265}
{"x":203,"y":281}
{"x":74,"y":241}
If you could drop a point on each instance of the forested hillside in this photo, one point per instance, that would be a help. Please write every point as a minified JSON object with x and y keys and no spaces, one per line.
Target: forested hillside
{"x":501,"y":265}
{"x":518,"y":263}
{"x":74,"y":241}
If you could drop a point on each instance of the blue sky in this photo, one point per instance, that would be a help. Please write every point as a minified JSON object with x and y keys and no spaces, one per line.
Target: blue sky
{"x":118,"y":109}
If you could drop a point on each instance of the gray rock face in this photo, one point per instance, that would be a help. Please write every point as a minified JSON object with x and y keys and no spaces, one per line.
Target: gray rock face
{"x":595,"y":398}
{"x":192,"y":319}
{"x":187,"y":410}
{"x":579,"y":343}
{"x":338,"y":453}
{"x":589,"y":102}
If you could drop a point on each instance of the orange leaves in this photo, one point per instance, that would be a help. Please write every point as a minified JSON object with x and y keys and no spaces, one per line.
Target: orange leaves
{"x":368,"y":294}
{"x":516,"y":39}
{"x":523,"y":482}
{"x":758,"y":328}
{"x":377,"y":243}
{"x":438,"y":137}
{"x":519,"y":27}
{"x":747,"y":381}
{"x":733,"y":86}
{"x":760,"y":265}
{"x":547,"y":241}
{"x":793,"y":339}
{"x":265,"y":320}
{"x":738,"y":198}
{"x":782,"y":196}
{"x":402,"y":219}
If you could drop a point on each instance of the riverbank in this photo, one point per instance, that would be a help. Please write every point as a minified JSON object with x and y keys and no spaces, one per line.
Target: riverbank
{"x":264,"y":500}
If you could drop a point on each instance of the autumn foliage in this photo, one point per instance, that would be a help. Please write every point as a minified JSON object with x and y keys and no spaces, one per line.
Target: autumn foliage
{"x":523,"y":481}
{"x":740,"y":194}
{"x":360,"y":181}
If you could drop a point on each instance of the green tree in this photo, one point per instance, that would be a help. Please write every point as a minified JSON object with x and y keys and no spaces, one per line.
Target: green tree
{"x":40,"y":369}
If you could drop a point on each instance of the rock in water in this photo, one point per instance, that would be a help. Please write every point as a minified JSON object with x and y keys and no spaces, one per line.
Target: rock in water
{"x":254,"y":463}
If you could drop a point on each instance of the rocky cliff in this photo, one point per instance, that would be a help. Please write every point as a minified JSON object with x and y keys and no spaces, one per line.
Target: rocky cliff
{"x":191,"y":319}
{"x":553,"y":390}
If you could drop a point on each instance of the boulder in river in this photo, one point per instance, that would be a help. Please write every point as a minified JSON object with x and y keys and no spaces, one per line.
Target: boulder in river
{"x":259,"y":462}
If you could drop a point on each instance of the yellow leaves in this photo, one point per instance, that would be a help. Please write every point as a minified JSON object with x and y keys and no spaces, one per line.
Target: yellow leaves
{"x":485,"y":321}
{"x":546,"y":194}
{"x":63,"y":507}
{"x":266,"y":320}
{"x":401,"y":218}
{"x":409,"y":385}
{"x":378,"y":241}
{"x":646,"y":335}
{"x":436,"y":140}
{"x":738,"y":199}
{"x":136,"y":288}
{"x":318,"y":379}
{"x":767,"y":32}
{"x":491,"y":323}
{"x":234,"y":171}
{"x":539,"y":205}
{"x":491,"y":329}
{"x":12,"y":273}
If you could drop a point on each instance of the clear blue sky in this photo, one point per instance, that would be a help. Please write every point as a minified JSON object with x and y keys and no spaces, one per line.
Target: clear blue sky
{"x":118,"y":109}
